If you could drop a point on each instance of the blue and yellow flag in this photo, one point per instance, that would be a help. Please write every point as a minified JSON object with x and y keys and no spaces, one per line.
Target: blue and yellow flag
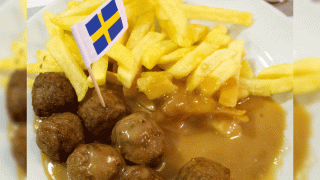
{"x":96,"y":34}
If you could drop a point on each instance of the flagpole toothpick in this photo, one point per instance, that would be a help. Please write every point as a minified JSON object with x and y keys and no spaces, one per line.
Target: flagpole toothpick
{"x":96,"y":86}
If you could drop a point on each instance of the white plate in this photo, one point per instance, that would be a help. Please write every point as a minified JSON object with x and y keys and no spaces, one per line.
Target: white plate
{"x":13,"y":24}
{"x":269,"y":41}
{"x":306,"y":44}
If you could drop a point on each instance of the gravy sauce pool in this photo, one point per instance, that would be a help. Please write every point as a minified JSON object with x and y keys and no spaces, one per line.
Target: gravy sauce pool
{"x":253,"y":153}
{"x":302,"y":134}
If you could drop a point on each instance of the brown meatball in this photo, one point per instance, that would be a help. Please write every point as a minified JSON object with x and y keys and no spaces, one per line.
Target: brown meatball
{"x":59,"y":135}
{"x":19,"y":146}
{"x":99,"y":120}
{"x":204,"y":169}
{"x":139,"y":139}
{"x":139,"y":172}
{"x":17,"y":96}
{"x":53,"y":93}
{"x":94,"y":161}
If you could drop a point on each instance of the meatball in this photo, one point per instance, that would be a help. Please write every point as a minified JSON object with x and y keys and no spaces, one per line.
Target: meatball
{"x":53,"y":93}
{"x":99,"y":120}
{"x":94,"y":161}
{"x":204,"y":169}
{"x":59,"y":135}
{"x":139,"y":172}
{"x":17,"y":96}
{"x":139,"y":139}
{"x":19,"y":146}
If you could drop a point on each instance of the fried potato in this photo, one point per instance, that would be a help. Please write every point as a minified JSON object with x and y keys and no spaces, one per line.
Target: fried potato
{"x":30,"y":83}
{"x":156,"y":84}
{"x":73,"y":47}
{"x":154,"y":52}
{"x":8,"y":64}
{"x":84,"y":8}
{"x":276,"y":71}
{"x":136,"y":7}
{"x":306,"y":84}
{"x":99,"y":70}
{"x":306,"y":66}
{"x":198,"y":31}
{"x":217,"y":14}
{"x":266,"y":87}
{"x":175,"y":55}
{"x":122,"y":55}
{"x":4,"y":82}
{"x":143,"y":25}
{"x":65,"y":23}
{"x":246,"y":71}
{"x":52,"y":29}
{"x":207,"y":66}
{"x":188,"y":63}
{"x":46,"y":64}
{"x":229,"y":91}
{"x":74,"y":4}
{"x":220,"y":75}
{"x":71,"y":68}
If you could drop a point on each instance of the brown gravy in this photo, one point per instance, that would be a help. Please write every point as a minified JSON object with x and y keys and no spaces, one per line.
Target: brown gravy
{"x":302,"y":134}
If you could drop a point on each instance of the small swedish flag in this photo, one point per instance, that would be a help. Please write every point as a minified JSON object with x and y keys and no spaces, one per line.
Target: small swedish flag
{"x":100,"y":30}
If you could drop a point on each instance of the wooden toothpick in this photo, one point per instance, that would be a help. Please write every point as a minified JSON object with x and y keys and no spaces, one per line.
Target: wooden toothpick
{"x":96,"y":86}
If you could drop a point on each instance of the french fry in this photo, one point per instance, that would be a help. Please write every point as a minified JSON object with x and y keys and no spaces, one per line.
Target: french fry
{"x":141,"y":28}
{"x":71,"y":68}
{"x":156,"y":84}
{"x":136,"y":8}
{"x":306,"y":84}
{"x":188,"y":63}
{"x":176,"y":55}
{"x":47,"y":63}
{"x":208,"y":65}
{"x":155,"y":51}
{"x":85,"y":8}
{"x":266,"y":87}
{"x":246,"y":71}
{"x":8,"y":64}
{"x":73,"y":47}
{"x":219,"y":76}
{"x":229,"y":92}
{"x":74,"y":4}
{"x":122,"y":55}
{"x":52,"y":29}
{"x":198,"y":31}
{"x":217,"y":14}
{"x":276,"y":71}
{"x":4,"y":82}
{"x":65,"y":23}
{"x":99,"y":69}
{"x":173,"y":22}
{"x":30,"y":83}
{"x":306,"y":66}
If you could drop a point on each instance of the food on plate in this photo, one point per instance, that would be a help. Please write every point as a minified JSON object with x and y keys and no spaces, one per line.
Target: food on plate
{"x":202,"y":168}
{"x":139,"y":139}
{"x":53,"y":93}
{"x":94,"y":161}
{"x":139,"y":172}
{"x":98,"y":120}
{"x":173,"y":90}
{"x":59,"y":135}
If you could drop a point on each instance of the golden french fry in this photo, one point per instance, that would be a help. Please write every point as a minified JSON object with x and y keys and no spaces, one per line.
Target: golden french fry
{"x":246,"y":71}
{"x":305,"y":66}
{"x":74,"y":4}
{"x":188,"y":63}
{"x":243,"y":93}
{"x":217,"y":14}
{"x":276,"y":71}
{"x":46,"y":64}
{"x":4,"y":82}
{"x":136,"y":8}
{"x":155,"y":51}
{"x":176,"y":55}
{"x":84,"y":8}
{"x":8,"y":64}
{"x":156,"y":84}
{"x":99,"y":69}
{"x":65,"y":23}
{"x":198,"y":31}
{"x":220,"y":75}
{"x":208,"y":65}
{"x":52,"y":29}
{"x":143,"y":25}
{"x":30,"y":83}
{"x":122,"y":55}
{"x":34,"y":67}
{"x":306,"y":84}
{"x":73,"y":47}
{"x":71,"y":68}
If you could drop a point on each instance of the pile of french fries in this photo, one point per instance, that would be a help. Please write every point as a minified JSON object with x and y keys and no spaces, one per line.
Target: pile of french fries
{"x":161,"y":45}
